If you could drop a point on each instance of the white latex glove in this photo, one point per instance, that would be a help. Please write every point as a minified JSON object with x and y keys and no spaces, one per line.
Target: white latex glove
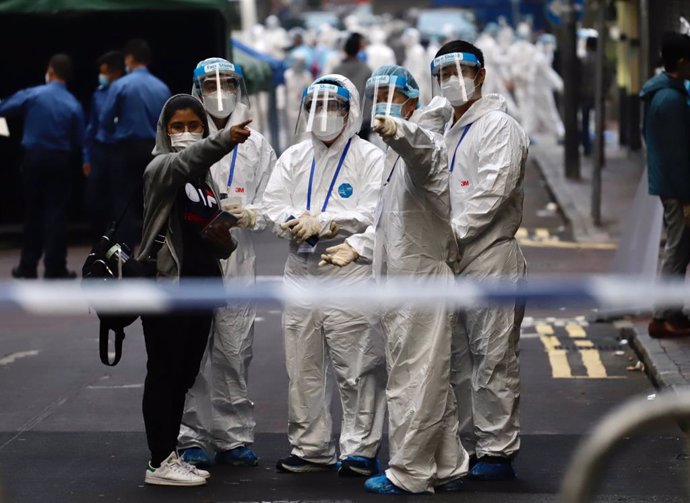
{"x":333,"y":230}
{"x":246,"y":217}
{"x":340,"y":255}
{"x":385,"y":126}
{"x":304,"y":227}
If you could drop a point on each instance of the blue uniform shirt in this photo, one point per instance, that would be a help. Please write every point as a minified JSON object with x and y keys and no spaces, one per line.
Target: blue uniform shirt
{"x":95,"y":132}
{"x":136,"y":100}
{"x":53,"y":118}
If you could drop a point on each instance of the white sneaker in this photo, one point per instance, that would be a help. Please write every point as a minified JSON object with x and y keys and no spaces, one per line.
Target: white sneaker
{"x":195,"y":470}
{"x":172,"y":472}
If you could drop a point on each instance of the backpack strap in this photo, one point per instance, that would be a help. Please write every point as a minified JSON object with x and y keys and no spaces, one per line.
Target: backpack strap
{"x":103,"y":337}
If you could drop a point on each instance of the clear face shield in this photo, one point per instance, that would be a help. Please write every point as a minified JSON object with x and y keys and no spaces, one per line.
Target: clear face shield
{"x":386,"y":95}
{"x":323,"y":111}
{"x":221,"y":87}
{"x":454,"y":76}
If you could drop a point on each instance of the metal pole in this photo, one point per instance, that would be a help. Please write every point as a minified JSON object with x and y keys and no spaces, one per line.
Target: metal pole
{"x":587,"y":466}
{"x":571,"y":78}
{"x":599,"y":113}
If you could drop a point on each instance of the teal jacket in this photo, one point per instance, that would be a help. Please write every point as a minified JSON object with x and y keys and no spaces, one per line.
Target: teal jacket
{"x":667,"y":134}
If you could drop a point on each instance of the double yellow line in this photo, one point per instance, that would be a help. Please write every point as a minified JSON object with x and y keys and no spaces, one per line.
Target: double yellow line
{"x":558,"y":357}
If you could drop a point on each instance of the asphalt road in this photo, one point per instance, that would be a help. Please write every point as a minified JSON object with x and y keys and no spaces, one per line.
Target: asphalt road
{"x":71,"y":429}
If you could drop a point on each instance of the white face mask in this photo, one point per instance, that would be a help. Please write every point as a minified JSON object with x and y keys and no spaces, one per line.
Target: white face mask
{"x":335,"y":124}
{"x":180,"y":141}
{"x":452,"y":89}
{"x":47,"y":77}
{"x":228,"y":100}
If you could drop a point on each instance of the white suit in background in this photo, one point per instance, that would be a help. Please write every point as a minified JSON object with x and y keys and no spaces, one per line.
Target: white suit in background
{"x":523,"y":72}
{"x":546,"y":82}
{"x":497,"y":66}
{"x":297,"y":79}
{"x":276,"y":37}
{"x":378,"y":53}
{"x":486,"y":199}
{"x":219,"y":416}
{"x":413,"y":238}
{"x":505,"y":35}
{"x":417,"y":63}
{"x":346,"y":337}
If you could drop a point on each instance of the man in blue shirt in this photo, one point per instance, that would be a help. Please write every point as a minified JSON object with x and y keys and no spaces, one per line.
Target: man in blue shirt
{"x":98,"y":148}
{"x":52,"y":142}
{"x":130,"y":113}
{"x":667,"y":134}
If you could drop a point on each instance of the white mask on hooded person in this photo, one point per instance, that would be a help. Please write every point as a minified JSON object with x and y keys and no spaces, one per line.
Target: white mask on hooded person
{"x":335,"y":123}
{"x":452,"y":90}
{"x":180,"y":141}
{"x":228,"y":100}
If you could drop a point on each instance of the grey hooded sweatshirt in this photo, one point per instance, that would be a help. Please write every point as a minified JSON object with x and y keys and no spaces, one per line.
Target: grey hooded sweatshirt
{"x":165,"y":175}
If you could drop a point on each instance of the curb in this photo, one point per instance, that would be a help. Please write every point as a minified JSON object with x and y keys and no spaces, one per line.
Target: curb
{"x":583,"y":229}
{"x":663,"y":372}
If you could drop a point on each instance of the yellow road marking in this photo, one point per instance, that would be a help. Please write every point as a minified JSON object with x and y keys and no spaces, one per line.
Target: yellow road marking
{"x":575,"y":330}
{"x":522,"y":233}
{"x":553,"y":243}
{"x":584,"y":344}
{"x":560,"y":368}
{"x":544,"y":329}
{"x":542,"y":234}
{"x":592,"y":362}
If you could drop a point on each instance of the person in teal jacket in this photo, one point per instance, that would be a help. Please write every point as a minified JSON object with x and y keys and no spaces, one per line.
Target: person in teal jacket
{"x":667,"y":135}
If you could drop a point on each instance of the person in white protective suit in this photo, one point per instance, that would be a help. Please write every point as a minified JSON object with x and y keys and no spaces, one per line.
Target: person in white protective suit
{"x":497,"y":67}
{"x":377,"y":51}
{"x":523,"y":73}
{"x":417,"y":63}
{"x":276,"y":37}
{"x":546,"y":82}
{"x":297,"y":79}
{"x":505,"y":35}
{"x":323,"y":190}
{"x":219,"y":416}
{"x":412,"y":237}
{"x":487,"y":150}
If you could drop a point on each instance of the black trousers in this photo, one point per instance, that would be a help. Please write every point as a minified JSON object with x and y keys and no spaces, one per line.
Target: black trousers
{"x":128,"y":160}
{"x":47,"y":181}
{"x":175,"y":345}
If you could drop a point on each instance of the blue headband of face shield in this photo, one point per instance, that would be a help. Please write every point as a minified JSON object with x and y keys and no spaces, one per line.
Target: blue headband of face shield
{"x":209,"y":70}
{"x":464,"y":58}
{"x":385,"y":82}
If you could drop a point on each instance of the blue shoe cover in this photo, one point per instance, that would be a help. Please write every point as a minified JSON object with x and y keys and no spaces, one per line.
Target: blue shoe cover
{"x":239,"y":456}
{"x":358,"y":466}
{"x":450,"y":487}
{"x":195,"y":456}
{"x":495,"y":469}
{"x":382,"y":485}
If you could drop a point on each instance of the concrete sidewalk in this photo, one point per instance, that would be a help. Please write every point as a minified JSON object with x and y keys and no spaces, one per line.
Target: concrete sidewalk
{"x":667,"y":361}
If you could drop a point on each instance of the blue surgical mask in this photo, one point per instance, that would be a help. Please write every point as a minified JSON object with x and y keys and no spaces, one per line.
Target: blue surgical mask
{"x":395,"y":110}
{"x":103,"y":79}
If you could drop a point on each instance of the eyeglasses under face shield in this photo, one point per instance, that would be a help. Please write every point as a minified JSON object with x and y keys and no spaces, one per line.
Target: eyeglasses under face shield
{"x":221,"y":86}
{"x":321,"y":102}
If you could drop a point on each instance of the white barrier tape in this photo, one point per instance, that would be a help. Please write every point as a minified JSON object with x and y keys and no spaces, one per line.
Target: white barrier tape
{"x":145,"y":296}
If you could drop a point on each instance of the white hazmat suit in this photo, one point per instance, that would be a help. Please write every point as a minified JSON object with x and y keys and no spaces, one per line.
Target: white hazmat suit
{"x":523,"y":73}
{"x":486,"y":183}
{"x":218,"y":412}
{"x":413,"y":237}
{"x":378,"y":53}
{"x":343,"y":336}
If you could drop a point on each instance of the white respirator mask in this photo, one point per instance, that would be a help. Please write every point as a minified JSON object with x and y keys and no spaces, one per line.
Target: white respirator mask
{"x":228,"y":101}
{"x":180,"y":141}
{"x":452,"y":90}
{"x":335,"y":123}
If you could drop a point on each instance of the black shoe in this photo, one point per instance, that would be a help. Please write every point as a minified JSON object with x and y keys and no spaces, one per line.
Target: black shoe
{"x":295,"y":464}
{"x":64,"y":274}
{"x":20,"y":273}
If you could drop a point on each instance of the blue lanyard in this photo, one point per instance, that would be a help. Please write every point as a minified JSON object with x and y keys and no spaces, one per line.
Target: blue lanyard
{"x":232,"y":165}
{"x":335,"y":177}
{"x":462,"y":137}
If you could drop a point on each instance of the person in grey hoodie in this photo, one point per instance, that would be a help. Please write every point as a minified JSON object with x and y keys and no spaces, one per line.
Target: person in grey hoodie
{"x":180,"y":201}
{"x":667,"y":134}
